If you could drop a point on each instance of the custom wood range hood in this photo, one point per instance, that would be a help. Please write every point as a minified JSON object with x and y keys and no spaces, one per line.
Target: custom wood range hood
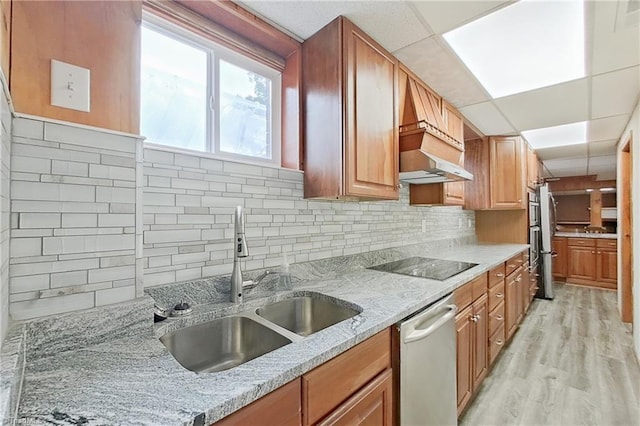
{"x":431,"y":135}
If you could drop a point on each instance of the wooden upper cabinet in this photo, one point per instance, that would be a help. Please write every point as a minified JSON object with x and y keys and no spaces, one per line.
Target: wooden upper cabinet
{"x":350,"y":115}
{"x":507,"y":189}
{"x":533,"y":169}
{"x":498,"y":169}
{"x":455,"y":123}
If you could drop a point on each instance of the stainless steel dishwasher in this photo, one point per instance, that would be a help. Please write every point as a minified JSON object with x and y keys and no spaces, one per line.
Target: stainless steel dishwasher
{"x":428,"y":366}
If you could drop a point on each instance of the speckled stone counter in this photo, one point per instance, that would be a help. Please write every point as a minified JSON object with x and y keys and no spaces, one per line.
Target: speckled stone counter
{"x":130,"y":378}
{"x":586,"y":235}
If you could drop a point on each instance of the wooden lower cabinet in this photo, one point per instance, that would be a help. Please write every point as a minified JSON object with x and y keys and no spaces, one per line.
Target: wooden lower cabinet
{"x":280,"y":407}
{"x":592,"y":262}
{"x":472,"y":325}
{"x":373,"y":405}
{"x":559,"y":259}
{"x":511,"y":307}
{"x":354,"y":388}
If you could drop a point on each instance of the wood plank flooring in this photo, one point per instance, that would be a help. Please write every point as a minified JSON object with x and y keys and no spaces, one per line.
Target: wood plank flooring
{"x":570,"y":363}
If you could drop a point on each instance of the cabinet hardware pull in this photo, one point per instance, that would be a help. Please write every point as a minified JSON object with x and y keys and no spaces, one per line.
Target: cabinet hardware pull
{"x":499,"y":274}
{"x":499,"y":317}
{"x":474,"y":318}
{"x":499,"y":295}
{"x":499,"y":342}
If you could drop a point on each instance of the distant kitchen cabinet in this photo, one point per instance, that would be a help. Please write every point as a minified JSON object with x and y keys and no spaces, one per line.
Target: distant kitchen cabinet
{"x":533,"y":168}
{"x":499,"y":169}
{"x":350,"y":115}
{"x":592,"y":262}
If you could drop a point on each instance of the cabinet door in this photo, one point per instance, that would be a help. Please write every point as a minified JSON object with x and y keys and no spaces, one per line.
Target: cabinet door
{"x":511,"y":306}
{"x":454,"y":193}
{"x":480,"y":341}
{"x":371,"y":121}
{"x":559,"y":262}
{"x":506,"y":175}
{"x":532,"y":167}
{"x":455,"y":124}
{"x":372,"y":405}
{"x":464,"y":357}
{"x":581,"y":262}
{"x":607,"y":267}
{"x":280,"y":407}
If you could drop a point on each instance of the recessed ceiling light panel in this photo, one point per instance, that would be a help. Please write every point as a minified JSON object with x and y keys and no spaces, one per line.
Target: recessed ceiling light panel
{"x":524,"y":46}
{"x":566,"y":134}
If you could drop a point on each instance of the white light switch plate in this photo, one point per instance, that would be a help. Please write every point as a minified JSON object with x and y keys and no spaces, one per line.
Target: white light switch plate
{"x":70,"y":86}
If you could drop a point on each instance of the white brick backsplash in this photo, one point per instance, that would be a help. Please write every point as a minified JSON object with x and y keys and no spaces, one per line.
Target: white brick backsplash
{"x":171,"y":236}
{"x":152,"y":198}
{"x":52,"y":305}
{"x":26,"y":128}
{"x":115,"y":195}
{"x":87,"y":138}
{"x":107,"y":220}
{"x":39,"y":220}
{"x":113,"y":273}
{"x":186,"y":161}
{"x":69,"y":168}
{"x":115,"y":295}
{"x":66,"y":279}
{"x":112,"y":172}
{"x":210,"y":165}
{"x":52,"y":192}
{"x":30,"y":164}
{"x":30,"y":283}
{"x":54,"y":153}
{"x":23,"y":247}
{"x":89,"y":243}
{"x":80,"y":220}
{"x":156,"y":156}
{"x":106,"y":262}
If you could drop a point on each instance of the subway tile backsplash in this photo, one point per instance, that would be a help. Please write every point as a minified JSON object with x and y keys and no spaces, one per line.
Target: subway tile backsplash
{"x":95,"y":217}
{"x":188,"y":210}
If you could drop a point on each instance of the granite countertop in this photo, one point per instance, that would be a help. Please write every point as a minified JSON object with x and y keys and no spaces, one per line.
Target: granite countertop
{"x":586,"y":235}
{"x":132,"y":379}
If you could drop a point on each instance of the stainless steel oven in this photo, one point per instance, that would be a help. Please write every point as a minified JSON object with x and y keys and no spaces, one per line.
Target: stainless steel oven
{"x":534,"y":209}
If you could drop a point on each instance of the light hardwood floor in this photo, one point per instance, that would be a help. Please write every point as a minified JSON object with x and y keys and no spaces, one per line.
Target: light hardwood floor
{"x":570,"y":363}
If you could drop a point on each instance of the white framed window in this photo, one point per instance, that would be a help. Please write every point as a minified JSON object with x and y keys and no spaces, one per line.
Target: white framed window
{"x":200,"y":96}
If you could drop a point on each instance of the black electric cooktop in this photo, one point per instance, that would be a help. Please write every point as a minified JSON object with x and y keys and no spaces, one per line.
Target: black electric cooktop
{"x":424,"y":267}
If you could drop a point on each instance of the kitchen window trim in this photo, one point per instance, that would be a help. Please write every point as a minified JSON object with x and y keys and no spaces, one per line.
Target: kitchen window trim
{"x":216,"y":52}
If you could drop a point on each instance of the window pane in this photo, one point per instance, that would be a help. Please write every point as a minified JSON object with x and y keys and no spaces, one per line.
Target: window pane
{"x":245,"y":113}
{"x":174,"y":92}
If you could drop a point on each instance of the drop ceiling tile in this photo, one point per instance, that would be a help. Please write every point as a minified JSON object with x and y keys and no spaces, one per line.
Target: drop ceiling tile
{"x":606,"y":175}
{"x":615,"y":93}
{"x":442,"y":71}
{"x":550,"y":106}
{"x":614,"y":45}
{"x":568,"y":172}
{"x":602,"y":161}
{"x":486,"y":117}
{"x":570,"y":151}
{"x":393,"y":24}
{"x":608,"y":128}
{"x":443,"y":16}
{"x":603,"y":147}
{"x":566,"y":163}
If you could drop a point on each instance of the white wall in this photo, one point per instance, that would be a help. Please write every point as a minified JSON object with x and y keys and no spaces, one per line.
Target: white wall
{"x":5,"y":157}
{"x":633,"y":128}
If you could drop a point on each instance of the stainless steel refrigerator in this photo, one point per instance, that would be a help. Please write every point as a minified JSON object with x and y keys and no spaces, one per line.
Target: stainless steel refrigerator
{"x":547,"y":230}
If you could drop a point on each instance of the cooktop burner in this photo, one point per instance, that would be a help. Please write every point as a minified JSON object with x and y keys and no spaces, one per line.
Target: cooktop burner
{"x":424,"y":267}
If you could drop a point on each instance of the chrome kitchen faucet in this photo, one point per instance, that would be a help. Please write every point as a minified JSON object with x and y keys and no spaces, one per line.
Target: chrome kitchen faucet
{"x":240,"y":250}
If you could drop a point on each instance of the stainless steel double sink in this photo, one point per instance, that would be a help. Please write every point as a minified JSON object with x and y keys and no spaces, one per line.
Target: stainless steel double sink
{"x":232,"y":340}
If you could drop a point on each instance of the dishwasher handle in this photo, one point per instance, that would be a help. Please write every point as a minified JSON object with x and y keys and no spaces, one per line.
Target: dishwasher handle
{"x":421,"y":334}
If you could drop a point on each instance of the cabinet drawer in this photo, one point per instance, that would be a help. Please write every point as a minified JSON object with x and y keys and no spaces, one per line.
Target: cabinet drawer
{"x":332,"y":383}
{"x":496,"y":318}
{"x":606,"y":243}
{"x":479,"y":286}
{"x":496,"y":343}
{"x":463,"y":296}
{"x":496,"y":275}
{"x":581,"y":242}
{"x":280,"y":407}
{"x":496,"y":295}
{"x":513,"y":264}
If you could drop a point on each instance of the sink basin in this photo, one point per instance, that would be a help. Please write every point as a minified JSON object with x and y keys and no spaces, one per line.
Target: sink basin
{"x":221,"y":344}
{"x":304,"y":315}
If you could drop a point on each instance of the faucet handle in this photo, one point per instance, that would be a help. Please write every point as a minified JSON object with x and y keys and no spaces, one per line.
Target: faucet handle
{"x":249,"y":284}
